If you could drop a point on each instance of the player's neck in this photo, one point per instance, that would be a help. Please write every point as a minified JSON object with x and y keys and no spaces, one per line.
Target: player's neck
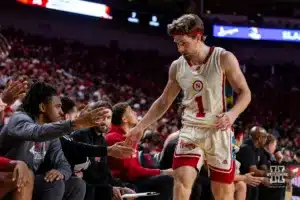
{"x":201,"y":55}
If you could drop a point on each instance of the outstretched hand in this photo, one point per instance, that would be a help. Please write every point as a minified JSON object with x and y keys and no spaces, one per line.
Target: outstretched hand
{"x":133,"y":137}
{"x":14,"y":90}
{"x":119,"y":150}
{"x":90,"y":119}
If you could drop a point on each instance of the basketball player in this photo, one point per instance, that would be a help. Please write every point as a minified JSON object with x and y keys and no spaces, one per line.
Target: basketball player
{"x":200,"y":72}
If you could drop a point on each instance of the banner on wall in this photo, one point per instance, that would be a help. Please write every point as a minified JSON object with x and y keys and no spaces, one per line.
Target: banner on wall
{"x":256,"y":33}
{"x":73,"y":6}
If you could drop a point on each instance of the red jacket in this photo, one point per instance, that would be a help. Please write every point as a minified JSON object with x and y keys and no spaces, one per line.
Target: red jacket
{"x":4,"y":162}
{"x":127,"y":169}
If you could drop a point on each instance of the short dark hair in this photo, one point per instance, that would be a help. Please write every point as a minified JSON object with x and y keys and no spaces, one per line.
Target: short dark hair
{"x":38,"y":93}
{"x":67,"y":104}
{"x":118,"y":112}
{"x":186,"y":24}
{"x":152,"y":137}
{"x":100,"y":104}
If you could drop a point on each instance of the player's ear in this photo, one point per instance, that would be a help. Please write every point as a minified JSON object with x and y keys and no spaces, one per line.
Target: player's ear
{"x":199,"y":37}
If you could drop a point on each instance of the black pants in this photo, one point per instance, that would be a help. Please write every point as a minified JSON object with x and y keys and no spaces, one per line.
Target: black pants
{"x":252,"y":193}
{"x":271,"y":193}
{"x":162,"y":184}
{"x":72,"y":189}
{"x":98,"y":192}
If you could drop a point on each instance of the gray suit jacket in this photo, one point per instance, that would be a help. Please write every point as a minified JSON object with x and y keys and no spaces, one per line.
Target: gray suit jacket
{"x":23,"y":139}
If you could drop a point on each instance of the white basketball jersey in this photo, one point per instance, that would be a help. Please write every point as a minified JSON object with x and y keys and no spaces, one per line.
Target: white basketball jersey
{"x":203,"y":89}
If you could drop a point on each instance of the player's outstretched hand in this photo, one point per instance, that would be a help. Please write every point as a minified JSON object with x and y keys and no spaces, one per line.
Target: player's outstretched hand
{"x":90,"y":119}
{"x":225,"y":120}
{"x":133,"y":136}
{"x":4,"y":47}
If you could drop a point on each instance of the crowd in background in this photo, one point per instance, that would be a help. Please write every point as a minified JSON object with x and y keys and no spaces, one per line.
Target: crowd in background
{"x":89,"y":74}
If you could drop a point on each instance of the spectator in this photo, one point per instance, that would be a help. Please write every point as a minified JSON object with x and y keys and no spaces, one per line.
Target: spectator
{"x":252,"y":158}
{"x":15,"y":178}
{"x":77,"y":153}
{"x":101,"y":184}
{"x":148,"y":155}
{"x":31,"y":136}
{"x":129,"y":169}
{"x":296,"y":180}
{"x":241,"y":181}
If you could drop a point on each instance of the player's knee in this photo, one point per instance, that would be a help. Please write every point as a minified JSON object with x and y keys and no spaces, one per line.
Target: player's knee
{"x":222,"y":190}
{"x":240,"y":186}
{"x":185,"y":177}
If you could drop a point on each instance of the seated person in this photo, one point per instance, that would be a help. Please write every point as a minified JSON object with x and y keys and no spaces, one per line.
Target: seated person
{"x":77,"y":153}
{"x":129,"y":169}
{"x":241,"y":181}
{"x":32,"y":136}
{"x":101,"y":185}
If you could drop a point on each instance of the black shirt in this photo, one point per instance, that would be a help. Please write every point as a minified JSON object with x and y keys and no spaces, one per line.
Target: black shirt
{"x":168,"y":153}
{"x":77,"y":152}
{"x":98,"y":173}
{"x":249,"y":155}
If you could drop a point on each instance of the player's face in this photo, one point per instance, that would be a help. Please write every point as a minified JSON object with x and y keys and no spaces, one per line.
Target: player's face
{"x":130,"y":116}
{"x":187,"y":46}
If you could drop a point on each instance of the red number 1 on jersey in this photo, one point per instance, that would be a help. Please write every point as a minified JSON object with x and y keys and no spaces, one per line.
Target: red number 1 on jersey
{"x":200,"y":107}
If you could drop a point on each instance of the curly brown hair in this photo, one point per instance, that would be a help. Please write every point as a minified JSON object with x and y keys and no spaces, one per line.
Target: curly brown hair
{"x":185,"y":25}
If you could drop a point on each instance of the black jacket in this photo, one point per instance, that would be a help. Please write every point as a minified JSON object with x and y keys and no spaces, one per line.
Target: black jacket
{"x":98,"y":173}
{"x":77,"y":152}
{"x":23,"y":139}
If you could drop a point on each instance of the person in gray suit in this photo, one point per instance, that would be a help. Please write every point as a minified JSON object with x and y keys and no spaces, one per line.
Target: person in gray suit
{"x":32,"y":135}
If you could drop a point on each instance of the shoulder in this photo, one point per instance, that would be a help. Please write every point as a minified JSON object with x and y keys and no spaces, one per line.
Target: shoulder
{"x":228,"y":60}
{"x":80,"y":134}
{"x":113,"y":137}
{"x":19,"y":116}
{"x":174,"y":67}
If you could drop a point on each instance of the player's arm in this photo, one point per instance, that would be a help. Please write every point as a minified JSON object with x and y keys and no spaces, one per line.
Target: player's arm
{"x":161,"y":105}
{"x":235,"y":77}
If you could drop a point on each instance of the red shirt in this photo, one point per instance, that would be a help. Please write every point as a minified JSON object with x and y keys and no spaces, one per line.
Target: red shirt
{"x":4,"y":162}
{"x":127,"y":169}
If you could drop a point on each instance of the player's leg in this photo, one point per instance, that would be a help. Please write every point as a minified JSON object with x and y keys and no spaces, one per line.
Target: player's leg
{"x":188,"y":158}
{"x":184,"y":179}
{"x":240,"y":190}
{"x":218,"y":149}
